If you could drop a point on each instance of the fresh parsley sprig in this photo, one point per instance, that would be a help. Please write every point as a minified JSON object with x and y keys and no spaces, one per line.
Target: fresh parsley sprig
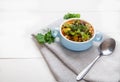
{"x":45,"y":38}
{"x":71,"y":15}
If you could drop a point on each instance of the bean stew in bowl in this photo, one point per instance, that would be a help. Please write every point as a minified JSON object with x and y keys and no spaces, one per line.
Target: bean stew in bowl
{"x":76,"y":34}
{"x":77,"y":30}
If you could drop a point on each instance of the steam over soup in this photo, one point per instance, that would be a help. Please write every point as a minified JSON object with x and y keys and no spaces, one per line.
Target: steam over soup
{"x":77,"y":30}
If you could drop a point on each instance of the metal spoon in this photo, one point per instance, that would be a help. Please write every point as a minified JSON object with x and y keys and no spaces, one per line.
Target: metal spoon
{"x":106,"y":48}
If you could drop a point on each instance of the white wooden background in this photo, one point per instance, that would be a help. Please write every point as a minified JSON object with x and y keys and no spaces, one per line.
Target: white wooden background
{"x":20,"y":59}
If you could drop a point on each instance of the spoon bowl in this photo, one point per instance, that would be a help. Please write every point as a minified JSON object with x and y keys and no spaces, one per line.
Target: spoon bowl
{"x":106,"y":48}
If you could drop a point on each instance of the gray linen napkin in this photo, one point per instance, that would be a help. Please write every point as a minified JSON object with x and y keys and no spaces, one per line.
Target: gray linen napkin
{"x":66,"y":65}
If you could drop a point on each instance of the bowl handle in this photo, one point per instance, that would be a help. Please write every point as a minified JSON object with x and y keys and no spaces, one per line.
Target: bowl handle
{"x":55,"y":32}
{"x":98,"y":37}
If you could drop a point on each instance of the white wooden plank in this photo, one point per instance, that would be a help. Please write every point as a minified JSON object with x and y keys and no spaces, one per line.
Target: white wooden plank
{"x":24,"y":70}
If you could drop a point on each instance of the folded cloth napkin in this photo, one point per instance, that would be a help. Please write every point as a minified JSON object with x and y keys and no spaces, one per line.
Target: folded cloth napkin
{"x":66,"y":65}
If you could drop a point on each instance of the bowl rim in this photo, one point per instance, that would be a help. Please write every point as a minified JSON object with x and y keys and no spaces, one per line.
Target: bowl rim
{"x":76,"y":41}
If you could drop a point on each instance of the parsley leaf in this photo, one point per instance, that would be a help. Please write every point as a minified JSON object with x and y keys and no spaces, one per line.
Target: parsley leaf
{"x":48,"y":37}
{"x":40,"y":38}
{"x":71,"y":15}
{"x":45,"y":38}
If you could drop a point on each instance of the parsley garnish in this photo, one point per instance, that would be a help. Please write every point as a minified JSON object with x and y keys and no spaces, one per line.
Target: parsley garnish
{"x":71,"y":15}
{"x":45,"y":38}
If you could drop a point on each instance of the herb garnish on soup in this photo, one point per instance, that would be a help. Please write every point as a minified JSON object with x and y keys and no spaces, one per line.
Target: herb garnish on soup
{"x":77,"y":30}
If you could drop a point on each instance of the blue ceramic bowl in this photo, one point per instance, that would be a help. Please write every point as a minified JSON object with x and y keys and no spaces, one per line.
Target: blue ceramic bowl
{"x":73,"y":45}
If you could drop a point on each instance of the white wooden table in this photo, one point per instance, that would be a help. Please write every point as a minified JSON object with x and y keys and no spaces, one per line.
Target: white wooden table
{"x":20,"y":59}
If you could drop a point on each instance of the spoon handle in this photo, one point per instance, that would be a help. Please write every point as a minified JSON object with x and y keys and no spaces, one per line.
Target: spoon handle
{"x":86,"y":70}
